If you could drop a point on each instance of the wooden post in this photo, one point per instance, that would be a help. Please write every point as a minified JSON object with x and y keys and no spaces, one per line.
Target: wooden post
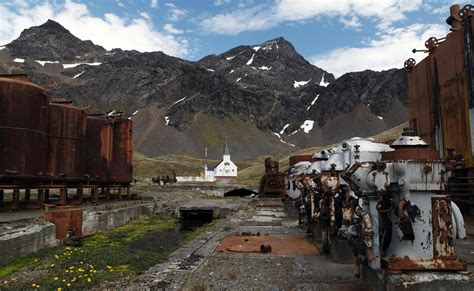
{"x":16,"y":199}
{"x":63,"y":196}
{"x":40,"y":195}
{"x":80,"y":194}
{"x":27,"y":194}
{"x":1,"y":198}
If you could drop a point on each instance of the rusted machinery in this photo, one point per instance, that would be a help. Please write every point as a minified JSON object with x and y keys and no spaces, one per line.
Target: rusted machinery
{"x":390,"y":203}
{"x":50,"y":146}
{"x":441,"y":94}
{"x":272,"y":183}
{"x":163,"y":180}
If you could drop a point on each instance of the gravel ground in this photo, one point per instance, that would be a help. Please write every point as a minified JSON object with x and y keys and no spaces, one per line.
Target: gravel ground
{"x":197,"y":267}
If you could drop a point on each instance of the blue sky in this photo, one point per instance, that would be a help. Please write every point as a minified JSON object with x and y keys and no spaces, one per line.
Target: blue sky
{"x":339,"y":35}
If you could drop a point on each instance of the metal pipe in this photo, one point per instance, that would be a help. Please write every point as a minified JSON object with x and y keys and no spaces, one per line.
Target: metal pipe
{"x":459,"y":220}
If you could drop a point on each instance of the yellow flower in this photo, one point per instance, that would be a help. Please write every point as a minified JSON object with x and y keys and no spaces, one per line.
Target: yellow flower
{"x":67,"y":271}
{"x":71,"y":267}
{"x":59,"y":289}
{"x":81,"y":263}
{"x":33,"y":285}
{"x":52,"y":265}
{"x":36,"y":260}
{"x":68,"y":284}
{"x":5,"y":282}
{"x":56,"y":278}
{"x":64,"y":280}
{"x":56,"y":256}
{"x":95,"y":271}
{"x":89,"y":280}
{"x":37,"y":286}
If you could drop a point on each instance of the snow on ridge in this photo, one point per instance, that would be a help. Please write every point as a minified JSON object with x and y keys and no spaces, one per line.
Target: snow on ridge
{"x":46,"y":62}
{"x":231,"y":71}
{"x":256,"y":48}
{"x":68,"y":66}
{"x":265,"y":68}
{"x":284,"y":127}
{"x":210,"y":70}
{"x":314,"y":101}
{"x":380,"y":117}
{"x":180,"y":100}
{"x":323,"y":83}
{"x":134,"y":113}
{"x":250,"y":61}
{"x":298,"y":84}
{"x":230,"y":58}
{"x":78,"y":75}
{"x":18,"y":60}
{"x":290,"y":144}
{"x":167,"y":119}
{"x":307,"y":125}
{"x":236,"y":81}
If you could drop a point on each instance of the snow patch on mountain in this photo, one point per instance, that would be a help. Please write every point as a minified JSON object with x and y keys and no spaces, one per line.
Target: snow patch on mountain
{"x":312,"y":102}
{"x":298,"y":84}
{"x":307,"y":125}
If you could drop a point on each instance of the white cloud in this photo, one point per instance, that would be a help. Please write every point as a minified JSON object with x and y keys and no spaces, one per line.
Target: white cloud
{"x":168,"y":27}
{"x":154,"y":3}
{"x":390,"y":50}
{"x":120,"y":4}
{"x":261,"y":17}
{"x":108,"y":30}
{"x":221,"y":2}
{"x":175,"y":12}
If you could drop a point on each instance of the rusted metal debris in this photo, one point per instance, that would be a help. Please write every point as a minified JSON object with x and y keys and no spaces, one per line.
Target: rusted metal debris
{"x":274,"y":244}
{"x":272,"y":183}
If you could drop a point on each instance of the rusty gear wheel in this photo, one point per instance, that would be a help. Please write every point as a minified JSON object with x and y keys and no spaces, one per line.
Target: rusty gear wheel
{"x":409,"y":64}
{"x":431,"y":43}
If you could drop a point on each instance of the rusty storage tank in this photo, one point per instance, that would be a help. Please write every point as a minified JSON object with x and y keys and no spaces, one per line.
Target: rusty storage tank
{"x":66,"y":141}
{"x":23,"y":129}
{"x":99,"y":139}
{"x":122,"y":168}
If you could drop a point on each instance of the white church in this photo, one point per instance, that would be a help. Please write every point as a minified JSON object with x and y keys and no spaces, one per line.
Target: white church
{"x":225,"y":169}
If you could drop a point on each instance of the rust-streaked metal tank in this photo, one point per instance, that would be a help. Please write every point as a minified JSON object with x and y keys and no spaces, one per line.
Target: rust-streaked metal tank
{"x":66,"y":141}
{"x":122,"y":168}
{"x":23,"y":129}
{"x":99,"y":140}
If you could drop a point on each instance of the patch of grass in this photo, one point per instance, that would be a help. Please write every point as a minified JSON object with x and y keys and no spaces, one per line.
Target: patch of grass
{"x":108,"y":256}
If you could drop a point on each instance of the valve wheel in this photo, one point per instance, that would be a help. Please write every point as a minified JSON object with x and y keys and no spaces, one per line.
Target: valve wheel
{"x":431,"y":43}
{"x":465,"y":11}
{"x":409,"y":64}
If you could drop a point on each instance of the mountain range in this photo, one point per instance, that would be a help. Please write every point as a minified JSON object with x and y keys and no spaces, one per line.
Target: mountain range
{"x":265,"y":98}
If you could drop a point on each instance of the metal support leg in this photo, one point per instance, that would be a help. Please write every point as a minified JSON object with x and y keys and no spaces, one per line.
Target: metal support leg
{"x":80,"y":194}
{"x":27,"y":195}
{"x":46,"y":195}
{"x":40,"y":195}
{"x":1,"y":198}
{"x":63,"y":196}
{"x":128,"y":192}
{"x":16,"y":199}
{"x":95,"y":195}
{"x":107,"y":194}
{"x":120,"y":193}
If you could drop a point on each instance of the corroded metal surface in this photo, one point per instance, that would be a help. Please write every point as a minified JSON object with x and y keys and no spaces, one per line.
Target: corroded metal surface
{"x":301,"y":158}
{"x":280,"y":244}
{"x":66,"y":141}
{"x":272,"y":183}
{"x":23,"y":128}
{"x":99,"y":140}
{"x":122,"y":154}
{"x":65,"y":220}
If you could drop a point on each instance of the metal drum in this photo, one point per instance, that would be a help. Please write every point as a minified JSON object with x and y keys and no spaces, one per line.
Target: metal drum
{"x":66,"y":142}
{"x":99,"y":147}
{"x":122,"y":168}
{"x":23,"y":129}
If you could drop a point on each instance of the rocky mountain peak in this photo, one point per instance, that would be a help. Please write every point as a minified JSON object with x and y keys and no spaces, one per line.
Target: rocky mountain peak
{"x":53,"y":42}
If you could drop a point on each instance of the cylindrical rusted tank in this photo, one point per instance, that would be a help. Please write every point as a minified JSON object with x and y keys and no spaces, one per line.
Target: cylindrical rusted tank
{"x":66,"y":141}
{"x":23,"y":129}
{"x":122,"y":168}
{"x":99,"y":140}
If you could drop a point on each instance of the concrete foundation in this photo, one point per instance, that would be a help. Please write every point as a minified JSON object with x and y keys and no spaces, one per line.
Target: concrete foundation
{"x":220,"y":208}
{"x":23,"y":241}
{"x":98,"y":220}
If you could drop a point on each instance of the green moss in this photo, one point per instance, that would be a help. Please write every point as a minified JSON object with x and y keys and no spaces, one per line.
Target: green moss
{"x":15,"y":266}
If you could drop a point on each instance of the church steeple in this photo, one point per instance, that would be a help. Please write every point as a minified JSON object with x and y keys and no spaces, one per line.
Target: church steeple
{"x":226,"y":148}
